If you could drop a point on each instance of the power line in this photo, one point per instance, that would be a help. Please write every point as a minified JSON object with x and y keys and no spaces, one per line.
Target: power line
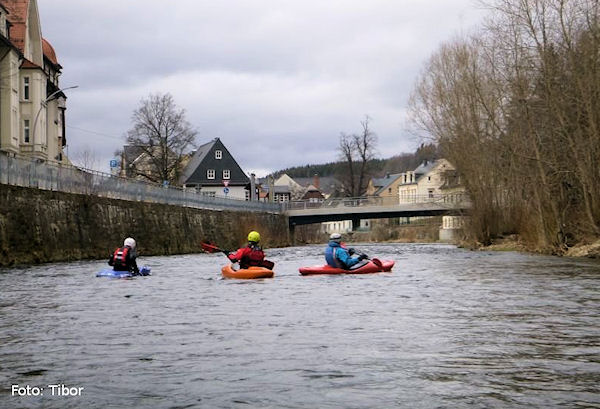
{"x":95,"y":133}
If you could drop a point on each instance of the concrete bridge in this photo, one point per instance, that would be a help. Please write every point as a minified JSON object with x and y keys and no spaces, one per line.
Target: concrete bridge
{"x":355,"y":209}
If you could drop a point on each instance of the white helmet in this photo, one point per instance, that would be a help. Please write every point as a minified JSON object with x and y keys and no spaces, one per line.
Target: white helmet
{"x":129,"y":242}
{"x":335,"y":237}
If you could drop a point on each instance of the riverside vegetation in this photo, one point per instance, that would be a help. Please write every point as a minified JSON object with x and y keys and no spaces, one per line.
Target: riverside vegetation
{"x":516,"y":108}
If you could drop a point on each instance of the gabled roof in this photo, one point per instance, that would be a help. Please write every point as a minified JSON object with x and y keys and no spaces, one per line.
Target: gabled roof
{"x":204,"y":159}
{"x":28,"y":64}
{"x":424,"y":167}
{"x":132,"y":152}
{"x":197,"y":158}
{"x":285,"y":180}
{"x":382,"y":183}
{"x":327,"y":184}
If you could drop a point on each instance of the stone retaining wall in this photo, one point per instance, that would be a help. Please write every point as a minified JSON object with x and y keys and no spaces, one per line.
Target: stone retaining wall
{"x":38,"y":226}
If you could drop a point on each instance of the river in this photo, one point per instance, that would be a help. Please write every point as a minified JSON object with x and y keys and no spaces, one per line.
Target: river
{"x":448,"y":328}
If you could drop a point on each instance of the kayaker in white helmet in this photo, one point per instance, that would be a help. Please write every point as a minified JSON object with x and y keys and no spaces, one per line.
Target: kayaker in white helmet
{"x":123,"y":258}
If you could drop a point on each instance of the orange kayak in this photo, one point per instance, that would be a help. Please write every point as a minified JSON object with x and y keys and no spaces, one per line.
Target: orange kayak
{"x":246,"y":273}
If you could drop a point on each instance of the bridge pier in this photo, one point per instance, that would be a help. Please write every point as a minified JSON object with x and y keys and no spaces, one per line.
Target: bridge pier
{"x":355,"y":223}
{"x":292,"y":233}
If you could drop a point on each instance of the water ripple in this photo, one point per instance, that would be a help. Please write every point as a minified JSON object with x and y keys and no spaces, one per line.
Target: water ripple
{"x":447,"y":329}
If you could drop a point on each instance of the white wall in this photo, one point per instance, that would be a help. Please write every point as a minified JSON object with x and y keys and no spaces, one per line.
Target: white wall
{"x":235,"y":192}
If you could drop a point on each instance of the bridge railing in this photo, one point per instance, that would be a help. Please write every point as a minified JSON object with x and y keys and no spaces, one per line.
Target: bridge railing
{"x":27,"y":172}
{"x":449,"y":200}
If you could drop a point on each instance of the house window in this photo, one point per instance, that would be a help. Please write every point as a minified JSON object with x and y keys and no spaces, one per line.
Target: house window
{"x":26,"y":88}
{"x":430,"y":193}
{"x":429,"y":178}
{"x":390,"y":190}
{"x":219,"y":155}
{"x":26,"y":130}
{"x":226,"y":174}
{"x":210,"y":174}
{"x":247,"y":195}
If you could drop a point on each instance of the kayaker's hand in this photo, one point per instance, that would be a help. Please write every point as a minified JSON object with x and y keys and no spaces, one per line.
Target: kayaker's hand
{"x":362,"y":257}
{"x":351,"y":251}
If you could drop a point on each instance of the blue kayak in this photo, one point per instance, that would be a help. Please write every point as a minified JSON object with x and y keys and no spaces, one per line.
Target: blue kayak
{"x":144,"y":271}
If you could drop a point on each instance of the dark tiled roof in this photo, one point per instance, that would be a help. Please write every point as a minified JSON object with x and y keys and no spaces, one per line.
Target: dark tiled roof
{"x":132,"y":152}
{"x":382,"y":183}
{"x":204,"y":159}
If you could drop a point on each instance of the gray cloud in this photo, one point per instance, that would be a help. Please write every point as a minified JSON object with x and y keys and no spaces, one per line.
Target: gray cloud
{"x":276,"y":80}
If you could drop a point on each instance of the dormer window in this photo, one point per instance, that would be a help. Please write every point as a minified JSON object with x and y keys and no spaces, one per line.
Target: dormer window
{"x":218,"y":154}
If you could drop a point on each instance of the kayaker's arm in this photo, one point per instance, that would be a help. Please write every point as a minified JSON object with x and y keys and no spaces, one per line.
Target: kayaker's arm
{"x":238,"y":255}
{"x":345,"y":258}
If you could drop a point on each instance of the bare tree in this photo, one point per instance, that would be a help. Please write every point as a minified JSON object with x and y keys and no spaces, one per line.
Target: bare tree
{"x":86,"y":158}
{"x":515,"y":108}
{"x":163,"y":135}
{"x":356,"y":151}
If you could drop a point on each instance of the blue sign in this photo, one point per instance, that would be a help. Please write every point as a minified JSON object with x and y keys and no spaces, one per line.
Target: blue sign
{"x":113,"y":163}
{"x":225,"y":190}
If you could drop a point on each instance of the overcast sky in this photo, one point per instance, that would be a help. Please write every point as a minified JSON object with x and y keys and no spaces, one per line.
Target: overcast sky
{"x":276,"y":80}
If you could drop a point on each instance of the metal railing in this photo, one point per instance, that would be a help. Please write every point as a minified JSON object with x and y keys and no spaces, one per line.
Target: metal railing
{"x":27,"y":172}
{"x":448,"y":200}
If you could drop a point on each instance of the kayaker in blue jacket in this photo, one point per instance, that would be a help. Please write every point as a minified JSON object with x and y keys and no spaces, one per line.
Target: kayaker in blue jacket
{"x":338,"y":256}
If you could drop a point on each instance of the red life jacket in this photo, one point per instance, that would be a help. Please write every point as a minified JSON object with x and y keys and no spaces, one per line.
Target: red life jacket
{"x":120,"y":258}
{"x":254,"y":257}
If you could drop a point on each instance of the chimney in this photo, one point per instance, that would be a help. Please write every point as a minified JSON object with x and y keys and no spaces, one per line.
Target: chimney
{"x":316,"y":181}
{"x":253,"y":187}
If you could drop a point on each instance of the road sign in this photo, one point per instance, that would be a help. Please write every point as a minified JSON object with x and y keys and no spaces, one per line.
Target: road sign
{"x":225,"y":183}
{"x":113,"y":163}
{"x":225,"y":190}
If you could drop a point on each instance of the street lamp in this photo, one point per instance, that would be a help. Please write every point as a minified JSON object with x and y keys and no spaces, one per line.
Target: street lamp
{"x":48,"y":98}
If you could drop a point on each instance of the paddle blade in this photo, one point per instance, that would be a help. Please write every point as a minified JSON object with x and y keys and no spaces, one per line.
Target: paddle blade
{"x":268,"y":264}
{"x":210,"y":248}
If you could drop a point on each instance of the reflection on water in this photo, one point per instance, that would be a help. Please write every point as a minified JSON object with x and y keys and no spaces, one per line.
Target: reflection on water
{"x":447,"y":328}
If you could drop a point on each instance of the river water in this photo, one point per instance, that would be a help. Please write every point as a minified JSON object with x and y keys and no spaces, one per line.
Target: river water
{"x":448,"y":328}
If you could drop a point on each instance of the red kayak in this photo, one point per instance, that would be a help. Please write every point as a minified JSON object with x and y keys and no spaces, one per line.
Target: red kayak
{"x":372,"y":266}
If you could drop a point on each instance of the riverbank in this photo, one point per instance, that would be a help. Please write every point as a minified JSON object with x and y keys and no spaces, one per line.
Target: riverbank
{"x":40,"y":226}
{"x":514,"y":243}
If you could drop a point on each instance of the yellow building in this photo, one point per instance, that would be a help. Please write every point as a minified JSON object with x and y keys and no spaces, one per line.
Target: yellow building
{"x":32,"y":106}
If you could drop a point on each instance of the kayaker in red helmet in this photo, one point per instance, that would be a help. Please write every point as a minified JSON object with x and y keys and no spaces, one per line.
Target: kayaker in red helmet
{"x":251,"y":254}
{"x":338,"y":256}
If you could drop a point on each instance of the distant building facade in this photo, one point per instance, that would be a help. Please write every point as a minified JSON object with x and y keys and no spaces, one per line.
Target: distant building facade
{"x":32,"y":106}
{"x":428,"y":181}
{"x":213,"y":171}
